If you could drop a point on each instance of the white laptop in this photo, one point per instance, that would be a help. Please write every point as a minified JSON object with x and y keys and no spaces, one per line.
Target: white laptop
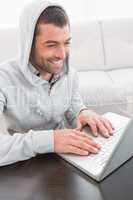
{"x":115,"y":150}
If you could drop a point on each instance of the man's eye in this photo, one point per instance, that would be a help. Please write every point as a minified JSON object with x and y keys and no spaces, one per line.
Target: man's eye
{"x":67,"y":43}
{"x":51,"y":45}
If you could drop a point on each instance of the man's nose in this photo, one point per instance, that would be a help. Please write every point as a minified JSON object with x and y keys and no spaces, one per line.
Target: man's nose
{"x":61,"y":53}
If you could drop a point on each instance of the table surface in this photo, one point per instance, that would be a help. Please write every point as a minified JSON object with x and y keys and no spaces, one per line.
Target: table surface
{"x":49,"y":177}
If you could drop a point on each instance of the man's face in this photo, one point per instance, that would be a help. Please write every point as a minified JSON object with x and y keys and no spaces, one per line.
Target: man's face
{"x":51,"y":48}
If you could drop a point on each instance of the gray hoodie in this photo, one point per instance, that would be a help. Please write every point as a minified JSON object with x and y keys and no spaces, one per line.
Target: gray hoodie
{"x":30,"y":108}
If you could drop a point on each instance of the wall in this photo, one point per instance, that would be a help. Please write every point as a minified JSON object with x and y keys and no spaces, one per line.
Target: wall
{"x":78,"y":11}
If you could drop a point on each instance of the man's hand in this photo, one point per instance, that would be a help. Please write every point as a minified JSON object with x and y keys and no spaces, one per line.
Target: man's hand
{"x":74,"y":141}
{"x":96,"y":122}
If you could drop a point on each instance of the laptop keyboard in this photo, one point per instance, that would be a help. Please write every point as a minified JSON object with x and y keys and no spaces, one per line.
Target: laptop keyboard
{"x":95,"y":163}
{"x":108,"y":144}
{"x":107,"y":147}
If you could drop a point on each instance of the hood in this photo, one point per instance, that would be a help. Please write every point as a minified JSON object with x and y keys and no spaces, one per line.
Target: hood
{"x":27,"y":23}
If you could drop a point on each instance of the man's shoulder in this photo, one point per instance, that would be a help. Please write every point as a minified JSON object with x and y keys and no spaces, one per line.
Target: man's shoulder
{"x":7,"y":66}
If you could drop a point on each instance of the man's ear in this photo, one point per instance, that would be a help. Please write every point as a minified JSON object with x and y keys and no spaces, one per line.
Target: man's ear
{"x":32,"y":52}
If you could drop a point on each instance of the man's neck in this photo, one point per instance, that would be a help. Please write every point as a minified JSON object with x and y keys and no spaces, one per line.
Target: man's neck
{"x":44,"y":75}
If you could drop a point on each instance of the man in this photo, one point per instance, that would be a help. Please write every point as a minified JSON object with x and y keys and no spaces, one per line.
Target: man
{"x":39,"y":91}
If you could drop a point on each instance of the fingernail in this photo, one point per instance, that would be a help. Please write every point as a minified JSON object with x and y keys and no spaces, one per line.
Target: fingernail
{"x":106,"y":134}
{"x":96,"y":150}
{"x":86,"y":153}
{"x":112,"y":132}
{"x":98,"y":146}
{"x":95,"y":134}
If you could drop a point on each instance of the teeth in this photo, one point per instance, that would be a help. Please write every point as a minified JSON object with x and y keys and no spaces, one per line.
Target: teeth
{"x":57,"y":62}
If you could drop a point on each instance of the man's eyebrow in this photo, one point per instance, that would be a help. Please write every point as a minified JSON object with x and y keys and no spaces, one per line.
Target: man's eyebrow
{"x":53,"y":41}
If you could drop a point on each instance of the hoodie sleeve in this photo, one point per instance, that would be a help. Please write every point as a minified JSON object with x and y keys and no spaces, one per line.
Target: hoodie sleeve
{"x":76,"y":102}
{"x":20,"y":147}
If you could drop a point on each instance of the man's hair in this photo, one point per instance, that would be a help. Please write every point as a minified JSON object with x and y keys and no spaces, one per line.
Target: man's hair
{"x":55,"y":15}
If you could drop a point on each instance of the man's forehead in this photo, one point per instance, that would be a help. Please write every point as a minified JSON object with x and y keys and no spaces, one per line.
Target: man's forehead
{"x":52,"y":32}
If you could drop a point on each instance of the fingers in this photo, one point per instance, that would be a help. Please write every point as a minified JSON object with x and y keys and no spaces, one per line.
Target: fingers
{"x":102,"y":128}
{"x":78,"y":151}
{"x":90,"y":148}
{"x":84,"y":143}
{"x":108,"y":125}
{"x":81,"y":140}
{"x":82,"y":134}
{"x":101,"y":125}
{"x":73,"y":141}
{"x":93,"y":126}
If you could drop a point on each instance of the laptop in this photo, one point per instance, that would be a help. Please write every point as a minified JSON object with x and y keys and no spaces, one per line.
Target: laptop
{"x":115,"y":150}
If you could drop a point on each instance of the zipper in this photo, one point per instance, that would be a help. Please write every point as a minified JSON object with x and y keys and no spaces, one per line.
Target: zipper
{"x":50,"y":87}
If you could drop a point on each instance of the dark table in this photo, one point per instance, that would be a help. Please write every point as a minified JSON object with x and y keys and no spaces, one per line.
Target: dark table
{"x":49,"y":177}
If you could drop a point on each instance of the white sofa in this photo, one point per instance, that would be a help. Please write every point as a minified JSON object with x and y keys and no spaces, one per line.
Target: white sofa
{"x":102,"y":52}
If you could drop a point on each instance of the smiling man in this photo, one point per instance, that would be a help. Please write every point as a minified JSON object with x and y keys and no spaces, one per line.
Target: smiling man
{"x":39,"y":92}
{"x":50,"y":48}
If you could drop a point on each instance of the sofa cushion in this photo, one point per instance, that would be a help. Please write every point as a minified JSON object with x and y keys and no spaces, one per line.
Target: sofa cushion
{"x":124,"y":78}
{"x":98,"y":89}
{"x":118,"y":43}
{"x":86,"y":48}
{"x":121,"y":76}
